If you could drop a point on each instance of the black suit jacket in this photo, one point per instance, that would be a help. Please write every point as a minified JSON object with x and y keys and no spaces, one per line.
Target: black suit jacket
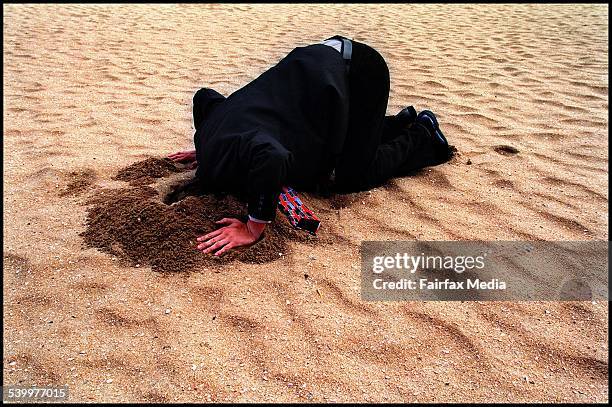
{"x":286,"y":127}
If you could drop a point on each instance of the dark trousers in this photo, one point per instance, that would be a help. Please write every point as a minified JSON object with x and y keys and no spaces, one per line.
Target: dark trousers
{"x":376,"y":147}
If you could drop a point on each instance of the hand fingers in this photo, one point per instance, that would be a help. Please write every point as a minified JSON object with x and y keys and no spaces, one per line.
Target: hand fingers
{"x":210,"y":241}
{"x":217,"y":245}
{"x":227,"y":221}
{"x":180,"y":156}
{"x":225,"y":248}
{"x":204,"y":245}
{"x":211,"y":234}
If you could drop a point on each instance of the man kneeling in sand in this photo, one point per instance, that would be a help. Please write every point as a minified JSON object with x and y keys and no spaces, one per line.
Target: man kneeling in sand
{"x":317,"y":118}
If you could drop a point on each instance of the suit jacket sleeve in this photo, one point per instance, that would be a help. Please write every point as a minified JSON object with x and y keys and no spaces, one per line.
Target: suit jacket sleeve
{"x":267,"y":163}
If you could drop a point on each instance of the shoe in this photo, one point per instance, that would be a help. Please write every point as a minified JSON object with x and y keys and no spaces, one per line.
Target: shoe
{"x":406,"y":116}
{"x":428,"y":119}
{"x":443,"y":152}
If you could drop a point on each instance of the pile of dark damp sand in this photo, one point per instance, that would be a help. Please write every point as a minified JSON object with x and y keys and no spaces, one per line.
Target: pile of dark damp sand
{"x":147,"y":171}
{"x":135,"y":224}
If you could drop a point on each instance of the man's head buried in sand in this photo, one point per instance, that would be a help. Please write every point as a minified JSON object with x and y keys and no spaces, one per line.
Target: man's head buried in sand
{"x":314,"y":120}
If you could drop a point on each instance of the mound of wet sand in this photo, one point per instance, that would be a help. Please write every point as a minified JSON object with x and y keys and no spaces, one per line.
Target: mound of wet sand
{"x":138,"y":224}
{"x":147,"y":171}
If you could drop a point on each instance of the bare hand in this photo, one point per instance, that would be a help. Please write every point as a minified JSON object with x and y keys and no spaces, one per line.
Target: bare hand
{"x":188,"y":157}
{"x":233,"y":235}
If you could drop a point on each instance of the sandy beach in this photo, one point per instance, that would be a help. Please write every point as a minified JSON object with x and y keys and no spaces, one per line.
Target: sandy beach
{"x":520,"y":90}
